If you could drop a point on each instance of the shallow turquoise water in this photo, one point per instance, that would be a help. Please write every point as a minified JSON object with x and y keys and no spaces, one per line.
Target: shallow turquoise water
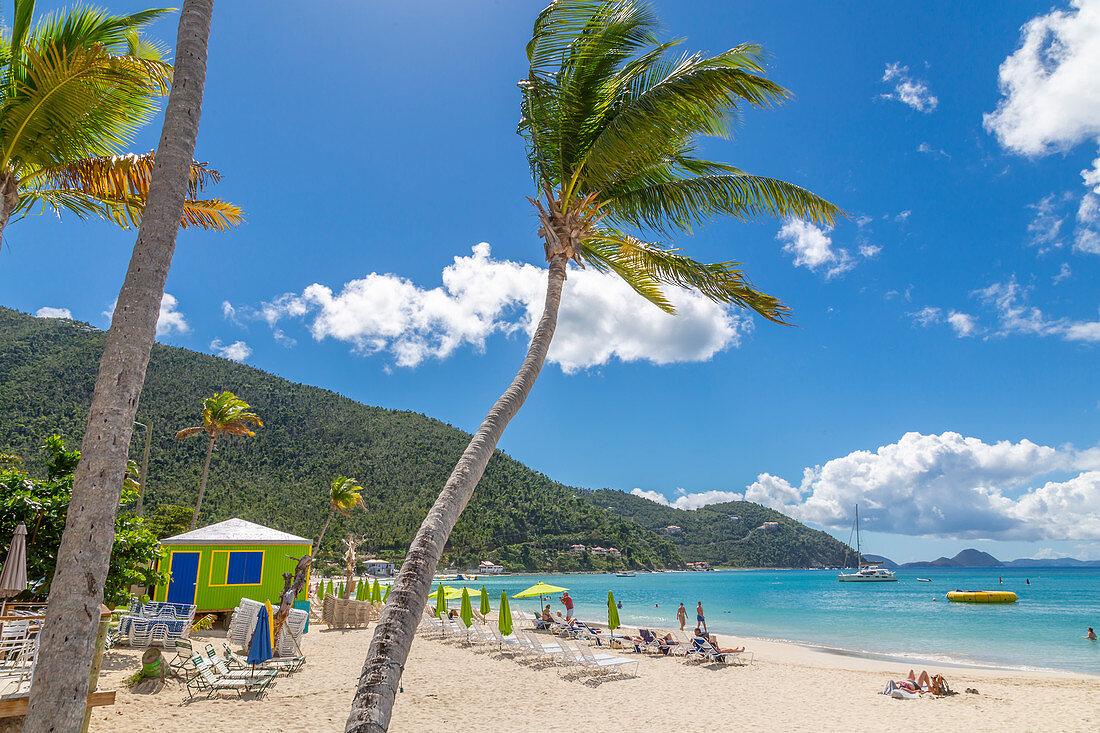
{"x":1043,"y":629}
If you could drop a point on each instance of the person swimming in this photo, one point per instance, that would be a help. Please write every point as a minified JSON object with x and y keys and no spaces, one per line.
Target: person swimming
{"x":1091,"y":635}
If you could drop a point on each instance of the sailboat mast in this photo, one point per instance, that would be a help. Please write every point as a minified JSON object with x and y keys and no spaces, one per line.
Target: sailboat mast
{"x":859,"y":552}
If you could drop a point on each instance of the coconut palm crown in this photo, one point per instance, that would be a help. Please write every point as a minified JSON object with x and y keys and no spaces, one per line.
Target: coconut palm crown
{"x":223,"y":414}
{"x":610,"y":115}
{"x":343,"y":497}
{"x":74,"y":90}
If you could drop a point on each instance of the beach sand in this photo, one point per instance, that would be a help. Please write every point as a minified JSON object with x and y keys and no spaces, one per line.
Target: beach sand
{"x":450,"y":686}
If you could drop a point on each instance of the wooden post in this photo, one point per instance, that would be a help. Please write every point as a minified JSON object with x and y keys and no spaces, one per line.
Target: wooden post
{"x":97,"y":660}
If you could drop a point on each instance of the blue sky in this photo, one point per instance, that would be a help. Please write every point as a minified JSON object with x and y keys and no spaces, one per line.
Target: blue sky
{"x":942,"y":371}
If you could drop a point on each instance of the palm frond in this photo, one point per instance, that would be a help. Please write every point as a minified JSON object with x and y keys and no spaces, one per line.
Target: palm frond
{"x":76,"y":104}
{"x":677,"y":204}
{"x":665,"y":105}
{"x":188,"y":432}
{"x":721,"y":282}
{"x":121,"y":184}
{"x":605,"y":253}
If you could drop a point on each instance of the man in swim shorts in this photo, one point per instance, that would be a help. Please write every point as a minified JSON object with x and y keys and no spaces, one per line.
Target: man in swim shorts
{"x":567,"y":601}
{"x":699,"y":616}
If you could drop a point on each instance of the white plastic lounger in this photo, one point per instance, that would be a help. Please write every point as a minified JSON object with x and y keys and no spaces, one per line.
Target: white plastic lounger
{"x":609,"y":664}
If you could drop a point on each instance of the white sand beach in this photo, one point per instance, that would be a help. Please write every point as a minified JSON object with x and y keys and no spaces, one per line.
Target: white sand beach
{"x":451,"y":686}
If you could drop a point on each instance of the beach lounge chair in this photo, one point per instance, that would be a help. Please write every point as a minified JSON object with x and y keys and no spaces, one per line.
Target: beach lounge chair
{"x":277,"y":664}
{"x":182,"y":661}
{"x":684,"y":645}
{"x":503,"y":642}
{"x":607,"y":665}
{"x":209,"y":681}
{"x":586,"y":632}
{"x":653,"y":643}
{"x":221,"y":667}
{"x":551,"y":651}
{"x":706,"y":650}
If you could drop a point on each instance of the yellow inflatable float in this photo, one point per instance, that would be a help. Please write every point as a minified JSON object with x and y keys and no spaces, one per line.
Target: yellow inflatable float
{"x":982,"y":596}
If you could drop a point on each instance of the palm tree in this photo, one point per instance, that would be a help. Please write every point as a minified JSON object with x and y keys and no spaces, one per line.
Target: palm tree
{"x":73,"y":92}
{"x":343,"y":497}
{"x":610,"y":118}
{"x":222,"y":414}
{"x":67,"y":641}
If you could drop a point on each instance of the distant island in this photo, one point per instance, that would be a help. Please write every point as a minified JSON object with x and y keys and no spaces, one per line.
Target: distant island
{"x":971,"y":558}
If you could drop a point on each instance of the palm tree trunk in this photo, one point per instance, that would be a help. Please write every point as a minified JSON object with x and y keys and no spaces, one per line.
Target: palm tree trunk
{"x":9,"y":199}
{"x":317,"y":545}
{"x":202,"y":485}
{"x":378,"y":683}
{"x":67,"y":640}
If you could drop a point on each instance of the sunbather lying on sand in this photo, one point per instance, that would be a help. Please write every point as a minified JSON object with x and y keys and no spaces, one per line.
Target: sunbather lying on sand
{"x":914,"y":683}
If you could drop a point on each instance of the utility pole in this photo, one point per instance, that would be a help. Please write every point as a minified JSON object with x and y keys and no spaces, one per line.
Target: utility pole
{"x":140,"y":505}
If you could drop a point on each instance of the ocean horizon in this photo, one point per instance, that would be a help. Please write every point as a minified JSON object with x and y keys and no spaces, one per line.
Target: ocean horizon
{"x":1044,"y":629}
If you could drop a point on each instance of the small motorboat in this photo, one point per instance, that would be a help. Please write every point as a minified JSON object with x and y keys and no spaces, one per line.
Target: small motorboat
{"x":624,"y":575}
{"x":925,"y":580}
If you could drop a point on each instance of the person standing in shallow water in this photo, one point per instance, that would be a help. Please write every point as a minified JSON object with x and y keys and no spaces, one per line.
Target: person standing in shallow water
{"x":702,"y":621}
{"x":682,"y":616}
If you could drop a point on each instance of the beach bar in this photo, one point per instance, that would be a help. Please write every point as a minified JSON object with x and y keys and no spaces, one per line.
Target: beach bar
{"x":215,"y":567}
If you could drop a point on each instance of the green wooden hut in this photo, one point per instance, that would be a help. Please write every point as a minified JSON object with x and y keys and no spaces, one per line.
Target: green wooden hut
{"x":215,"y":567}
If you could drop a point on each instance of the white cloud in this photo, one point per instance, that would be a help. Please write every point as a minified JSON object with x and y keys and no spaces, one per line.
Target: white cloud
{"x":869,"y":250}
{"x":930,"y":150}
{"x":236,"y":351}
{"x":1064,"y":273}
{"x":50,"y":312}
{"x":1091,"y":176}
{"x":812,"y":248}
{"x":690,"y":501}
{"x":927,"y":316}
{"x":963,"y":323}
{"x":600,"y":319}
{"x":229,"y":313}
{"x":170,"y":319}
{"x":1051,"y":89}
{"x":1045,"y":227}
{"x":907,"y":89}
{"x":1016,"y":317}
{"x":947,"y":486}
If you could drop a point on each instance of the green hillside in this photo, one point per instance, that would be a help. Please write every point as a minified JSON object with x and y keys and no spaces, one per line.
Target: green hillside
{"x":730,"y":534}
{"x":517,"y":517}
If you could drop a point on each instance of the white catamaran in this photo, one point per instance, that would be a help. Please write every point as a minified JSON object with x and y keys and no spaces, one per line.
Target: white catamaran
{"x":868,"y":572}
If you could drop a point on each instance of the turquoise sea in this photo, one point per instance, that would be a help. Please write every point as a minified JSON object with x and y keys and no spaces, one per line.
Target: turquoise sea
{"x":1044,"y":629}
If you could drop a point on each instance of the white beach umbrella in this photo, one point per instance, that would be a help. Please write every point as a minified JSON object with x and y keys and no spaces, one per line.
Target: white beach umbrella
{"x":13,"y":577}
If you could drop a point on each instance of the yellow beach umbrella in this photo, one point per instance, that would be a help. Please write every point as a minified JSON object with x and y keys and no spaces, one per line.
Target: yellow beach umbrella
{"x":466,"y":613}
{"x":612,"y":612}
{"x":504,"y":620}
{"x":270,"y":622}
{"x":539,"y":589}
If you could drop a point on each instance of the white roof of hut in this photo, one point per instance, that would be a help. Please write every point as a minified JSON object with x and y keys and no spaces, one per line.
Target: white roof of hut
{"x":236,"y":532}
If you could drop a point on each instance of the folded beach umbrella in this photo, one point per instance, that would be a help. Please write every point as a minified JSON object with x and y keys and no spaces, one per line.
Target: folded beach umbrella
{"x":440,"y":601}
{"x":376,"y":593}
{"x":387,"y":596}
{"x":259,"y":649}
{"x":504,"y":618}
{"x":340,"y":591}
{"x":484,"y":601}
{"x":13,"y":577}
{"x":466,"y":613}
{"x":329,"y":591}
{"x":612,"y":612}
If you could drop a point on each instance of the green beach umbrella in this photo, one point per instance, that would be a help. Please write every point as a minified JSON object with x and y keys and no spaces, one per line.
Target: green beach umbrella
{"x":504,"y":621}
{"x":484,"y":601}
{"x":612,"y":612}
{"x":340,"y":591}
{"x":387,"y":596}
{"x":329,"y":591}
{"x":361,"y":591}
{"x":440,"y":601}
{"x":376,"y":593}
{"x":466,"y":613}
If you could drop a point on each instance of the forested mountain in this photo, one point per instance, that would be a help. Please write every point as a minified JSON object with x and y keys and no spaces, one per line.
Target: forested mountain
{"x":280,"y":478}
{"x":733,"y":533}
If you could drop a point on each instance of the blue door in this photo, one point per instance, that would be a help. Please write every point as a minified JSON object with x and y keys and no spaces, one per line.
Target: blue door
{"x":185,"y":573}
